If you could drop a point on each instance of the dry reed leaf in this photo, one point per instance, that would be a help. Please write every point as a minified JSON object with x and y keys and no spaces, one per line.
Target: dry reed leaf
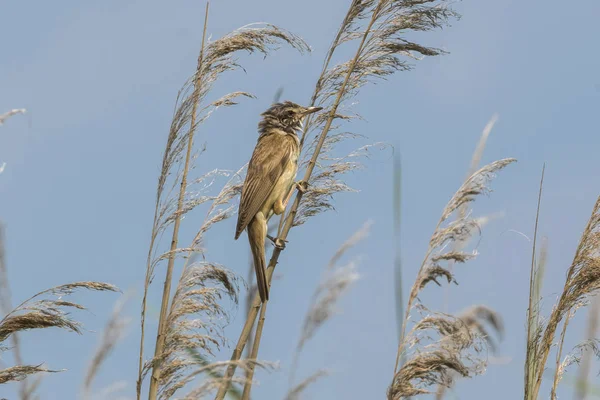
{"x":20,"y":372}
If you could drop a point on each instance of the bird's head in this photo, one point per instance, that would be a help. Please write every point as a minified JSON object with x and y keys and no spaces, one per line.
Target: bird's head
{"x":286,"y":116}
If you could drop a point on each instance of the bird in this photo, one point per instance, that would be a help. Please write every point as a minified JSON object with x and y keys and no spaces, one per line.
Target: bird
{"x":270,"y":179}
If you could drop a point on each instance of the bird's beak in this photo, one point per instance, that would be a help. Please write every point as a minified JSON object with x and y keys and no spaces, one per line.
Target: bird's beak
{"x":310,"y":110}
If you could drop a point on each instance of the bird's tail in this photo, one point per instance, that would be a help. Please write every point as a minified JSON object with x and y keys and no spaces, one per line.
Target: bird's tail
{"x":257,"y":232}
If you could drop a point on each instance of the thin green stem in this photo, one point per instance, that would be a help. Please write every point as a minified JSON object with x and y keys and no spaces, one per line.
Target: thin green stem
{"x":530,"y":353}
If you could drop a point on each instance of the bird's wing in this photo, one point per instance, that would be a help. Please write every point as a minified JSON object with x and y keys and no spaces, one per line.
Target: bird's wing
{"x":271,"y":155}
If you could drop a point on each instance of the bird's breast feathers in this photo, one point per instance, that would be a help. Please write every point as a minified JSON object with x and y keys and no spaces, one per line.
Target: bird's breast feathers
{"x":271,"y":173}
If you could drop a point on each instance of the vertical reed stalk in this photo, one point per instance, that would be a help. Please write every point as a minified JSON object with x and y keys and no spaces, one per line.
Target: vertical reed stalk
{"x":254,"y":353}
{"x":397,"y":245}
{"x":160,"y":338}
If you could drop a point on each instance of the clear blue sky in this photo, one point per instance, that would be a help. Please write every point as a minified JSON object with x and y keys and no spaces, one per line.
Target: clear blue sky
{"x":99,"y":80}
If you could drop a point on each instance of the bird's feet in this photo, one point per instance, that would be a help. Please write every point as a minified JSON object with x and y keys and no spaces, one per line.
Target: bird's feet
{"x":277,"y":242}
{"x":302,"y":186}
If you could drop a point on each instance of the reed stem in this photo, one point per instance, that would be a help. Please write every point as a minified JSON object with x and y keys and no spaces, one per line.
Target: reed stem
{"x":160,"y":338}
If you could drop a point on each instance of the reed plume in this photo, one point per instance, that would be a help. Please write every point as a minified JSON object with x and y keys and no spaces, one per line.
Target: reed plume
{"x":39,"y":312}
{"x":455,"y":342}
{"x":478,"y":320}
{"x":112,"y":334}
{"x":192,"y":108}
{"x":335,"y":282}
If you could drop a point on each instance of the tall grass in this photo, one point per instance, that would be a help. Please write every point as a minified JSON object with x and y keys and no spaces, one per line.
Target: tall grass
{"x":376,"y":28}
{"x":434,"y":348}
{"x":457,"y":340}
{"x":582,"y":282}
{"x":177,"y":195}
{"x":45,"y":309}
{"x":533,"y":309}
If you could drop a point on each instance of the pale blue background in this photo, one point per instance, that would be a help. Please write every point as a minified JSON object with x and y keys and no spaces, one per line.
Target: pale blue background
{"x":99,"y":80}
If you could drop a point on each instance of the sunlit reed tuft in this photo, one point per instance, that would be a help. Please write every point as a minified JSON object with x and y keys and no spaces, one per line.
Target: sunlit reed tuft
{"x":454,"y":348}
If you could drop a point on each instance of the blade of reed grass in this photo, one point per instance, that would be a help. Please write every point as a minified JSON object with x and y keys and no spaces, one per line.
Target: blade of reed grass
{"x":531,"y":350}
{"x":397,"y":205}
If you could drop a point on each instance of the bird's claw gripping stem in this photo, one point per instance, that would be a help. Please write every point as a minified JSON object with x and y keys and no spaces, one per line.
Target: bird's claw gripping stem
{"x":277,"y":242}
{"x":302,"y":186}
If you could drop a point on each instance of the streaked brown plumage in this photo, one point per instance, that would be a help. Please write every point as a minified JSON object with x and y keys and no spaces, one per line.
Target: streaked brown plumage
{"x":270,"y":178}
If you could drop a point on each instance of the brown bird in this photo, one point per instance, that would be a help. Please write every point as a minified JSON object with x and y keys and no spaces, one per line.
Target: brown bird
{"x":270,"y":179}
